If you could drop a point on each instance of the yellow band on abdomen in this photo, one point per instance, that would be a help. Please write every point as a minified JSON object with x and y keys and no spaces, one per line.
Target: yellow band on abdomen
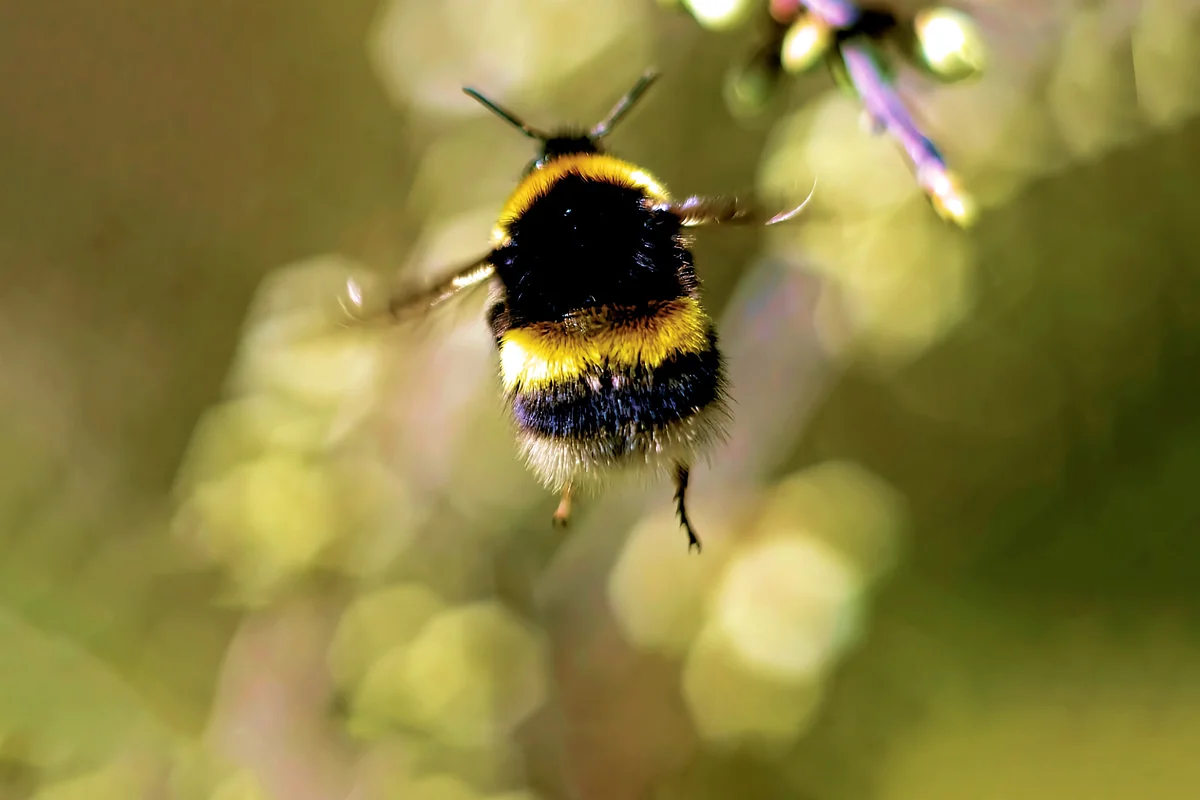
{"x":538,"y":355}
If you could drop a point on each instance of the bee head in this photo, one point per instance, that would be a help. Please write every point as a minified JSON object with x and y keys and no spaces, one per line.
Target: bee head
{"x":564,"y":143}
{"x":569,"y":143}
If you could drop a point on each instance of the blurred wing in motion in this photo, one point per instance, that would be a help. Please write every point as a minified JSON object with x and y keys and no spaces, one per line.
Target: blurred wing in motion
{"x":410,"y":303}
{"x":697,"y":211}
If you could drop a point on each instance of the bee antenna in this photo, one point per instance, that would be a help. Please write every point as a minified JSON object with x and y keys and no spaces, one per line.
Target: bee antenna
{"x":624,"y":105}
{"x":507,"y":116}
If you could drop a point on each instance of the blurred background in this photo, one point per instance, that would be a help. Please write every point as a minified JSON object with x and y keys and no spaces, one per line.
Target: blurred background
{"x":249,"y":551}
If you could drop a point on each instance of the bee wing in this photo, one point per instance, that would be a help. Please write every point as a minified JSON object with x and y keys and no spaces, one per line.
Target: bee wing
{"x":409,"y":303}
{"x":697,"y":211}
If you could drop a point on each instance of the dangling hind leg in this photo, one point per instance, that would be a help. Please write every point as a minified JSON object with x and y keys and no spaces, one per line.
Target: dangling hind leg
{"x":562,"y":514}
{"x":681,"y":485}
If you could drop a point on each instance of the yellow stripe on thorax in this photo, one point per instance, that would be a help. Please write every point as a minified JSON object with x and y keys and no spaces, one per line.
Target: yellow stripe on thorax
{"x":592,"y":166}
{"x":544,"y":354}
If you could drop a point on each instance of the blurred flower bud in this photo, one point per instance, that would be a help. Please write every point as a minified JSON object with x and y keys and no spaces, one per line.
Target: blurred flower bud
{"x":838,"y":13}
{"x":948,"y":43}
{"x":718,"y":15}
{"x":805,"y":43}
{"x":784,"y":11}
{"x":946,"y":194}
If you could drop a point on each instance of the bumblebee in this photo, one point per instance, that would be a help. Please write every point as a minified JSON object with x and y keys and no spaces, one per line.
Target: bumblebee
{"x":607,"y":357}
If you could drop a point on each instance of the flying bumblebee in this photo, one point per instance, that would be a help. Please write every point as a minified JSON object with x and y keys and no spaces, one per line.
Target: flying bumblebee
{"x":607,"y":357}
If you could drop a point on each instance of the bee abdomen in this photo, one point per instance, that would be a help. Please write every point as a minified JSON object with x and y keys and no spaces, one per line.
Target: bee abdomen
{"x":606,"y":421}
{"x":604,"y":403}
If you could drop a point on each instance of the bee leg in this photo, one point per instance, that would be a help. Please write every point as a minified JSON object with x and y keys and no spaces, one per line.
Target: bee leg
{"x":562,"y":514}
{"x":681,"y":484}
{"x":698,"y":211}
